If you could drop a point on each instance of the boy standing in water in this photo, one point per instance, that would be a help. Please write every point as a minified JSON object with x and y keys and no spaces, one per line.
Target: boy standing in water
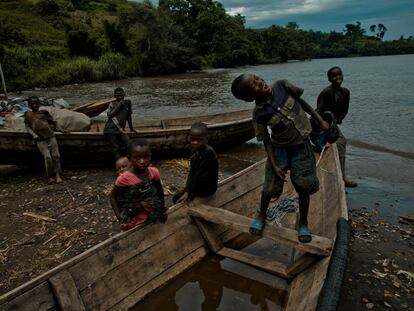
{"x":203,"y":176}
{"x":280,"y":108}
{"x":40,"y":125}
{"x":119,"y":112}
{"x":335,"y":98}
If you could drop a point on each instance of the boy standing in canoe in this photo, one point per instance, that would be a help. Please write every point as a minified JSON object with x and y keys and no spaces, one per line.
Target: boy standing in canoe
{"x":119,"y":112}
{"x":280,"y":108}
{"x":335,"y":98}
{"x":203,"y":176}
{"x":40,"y":125}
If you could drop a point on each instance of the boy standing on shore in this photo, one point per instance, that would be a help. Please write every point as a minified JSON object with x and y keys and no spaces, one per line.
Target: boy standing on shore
{"x":280,"y":108}
{"x":119,"y":112}
{"x":335,"y":98}
{"x":40,"y":125}
{"x":203,"y":176}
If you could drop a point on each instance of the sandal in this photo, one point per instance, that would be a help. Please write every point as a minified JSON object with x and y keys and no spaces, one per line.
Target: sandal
{"x":256,"y":228}
{"x":304,"y":235}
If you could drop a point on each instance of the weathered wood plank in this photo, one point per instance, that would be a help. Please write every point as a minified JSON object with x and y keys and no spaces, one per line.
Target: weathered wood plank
{"x":38,"y":298}
{"x":160,"y":280}
{"x":100,"y":263}
{"x":271,"y":266}
{"x":318,"y":245}
{"x":66,"y":293}
{"x":123,"y":280}
{"x":301,"y":264}
{"x":209,"y":235}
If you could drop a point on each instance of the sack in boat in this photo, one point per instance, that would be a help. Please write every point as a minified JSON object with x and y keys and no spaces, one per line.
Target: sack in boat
{"x":69,"y":121}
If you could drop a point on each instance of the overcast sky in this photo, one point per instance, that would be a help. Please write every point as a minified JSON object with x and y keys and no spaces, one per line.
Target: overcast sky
{"x":327,"y":15}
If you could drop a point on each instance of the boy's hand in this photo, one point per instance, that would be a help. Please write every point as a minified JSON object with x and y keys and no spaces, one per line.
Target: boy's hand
{"x":183,"y":198}
{"x":324,"y":125}
{"x":279,"y":172}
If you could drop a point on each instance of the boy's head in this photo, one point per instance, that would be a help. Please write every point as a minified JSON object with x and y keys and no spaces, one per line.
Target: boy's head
{"x":34,"y":103}
{"x":122,"y":165}
{"x":119,"y":93}
{"x":139,"y":153}
{"x":198,"y":136}
{"x":335,"y":76}
{"x":249,"y":87}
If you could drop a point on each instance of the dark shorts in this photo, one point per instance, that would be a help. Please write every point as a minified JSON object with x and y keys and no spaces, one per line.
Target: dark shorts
{"x":300,"y":160}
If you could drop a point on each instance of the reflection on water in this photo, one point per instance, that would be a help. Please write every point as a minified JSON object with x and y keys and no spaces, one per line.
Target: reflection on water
{"x":212,"y":285}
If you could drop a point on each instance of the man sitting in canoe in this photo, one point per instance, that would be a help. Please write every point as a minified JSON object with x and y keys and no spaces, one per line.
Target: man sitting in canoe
{"x":203,"y":176}
{"x":280,"y":108}
{"x":40,"y":125}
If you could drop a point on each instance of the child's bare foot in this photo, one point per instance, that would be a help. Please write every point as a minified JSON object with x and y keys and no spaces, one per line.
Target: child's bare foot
{"x":50,"y":180}
{"x":59,"y":180}
{"x":125,"y":227}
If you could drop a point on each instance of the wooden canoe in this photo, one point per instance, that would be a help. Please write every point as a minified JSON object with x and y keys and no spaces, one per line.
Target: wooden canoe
{"x":121,"y":271}
{"x":168,"y":137}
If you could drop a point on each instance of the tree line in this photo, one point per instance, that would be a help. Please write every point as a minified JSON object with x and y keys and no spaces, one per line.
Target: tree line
{"x":98,"y":40}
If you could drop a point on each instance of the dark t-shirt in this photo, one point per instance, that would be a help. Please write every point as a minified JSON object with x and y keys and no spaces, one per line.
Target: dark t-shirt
{"x":121,"y":117}
{"x":41,"y":123}
{"x":203,"y":176}
{"x":335,"y":100}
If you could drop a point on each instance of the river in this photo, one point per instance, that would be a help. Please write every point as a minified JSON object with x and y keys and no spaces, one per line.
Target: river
{"x":379,"y":126}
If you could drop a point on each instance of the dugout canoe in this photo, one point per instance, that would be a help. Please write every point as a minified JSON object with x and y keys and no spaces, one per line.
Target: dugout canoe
{"x":121,"y":271}
{"x":168,"y":137}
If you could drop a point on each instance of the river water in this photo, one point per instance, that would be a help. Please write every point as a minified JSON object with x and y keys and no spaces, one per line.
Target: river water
{"x":379,"y":126}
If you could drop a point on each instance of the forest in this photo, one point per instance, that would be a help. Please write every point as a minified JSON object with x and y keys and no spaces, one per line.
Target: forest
{"x":56,"y":42}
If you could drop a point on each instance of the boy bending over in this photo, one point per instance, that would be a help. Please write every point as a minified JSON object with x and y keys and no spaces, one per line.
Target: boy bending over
{"x":280,"y":108}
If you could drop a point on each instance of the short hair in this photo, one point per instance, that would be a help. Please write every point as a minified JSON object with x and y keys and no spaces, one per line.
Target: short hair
{"x":199,"y":126}
{"x":237,"y":87}
{"x":329,"y":73}
{"x":142,"y":142}
{"x":33,"y":98}
{"x":120,"y":160}
{"x":119,"y":90}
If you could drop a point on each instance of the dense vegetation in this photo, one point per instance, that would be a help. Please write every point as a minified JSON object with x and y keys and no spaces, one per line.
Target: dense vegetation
{"x":55,"y":42}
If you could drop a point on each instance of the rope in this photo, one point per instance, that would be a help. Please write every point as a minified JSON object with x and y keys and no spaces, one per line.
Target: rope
{"x":286,"y":204}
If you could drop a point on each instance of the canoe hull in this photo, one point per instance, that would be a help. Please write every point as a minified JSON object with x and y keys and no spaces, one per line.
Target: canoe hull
{"x":88,"y":148}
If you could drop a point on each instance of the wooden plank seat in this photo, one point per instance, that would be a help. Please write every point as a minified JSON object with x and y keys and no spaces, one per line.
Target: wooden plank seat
{"x":205,"y":215}
{"x":318,"y":246}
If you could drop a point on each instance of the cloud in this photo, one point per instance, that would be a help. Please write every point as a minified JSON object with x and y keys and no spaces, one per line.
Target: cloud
{"x":327,"y":15}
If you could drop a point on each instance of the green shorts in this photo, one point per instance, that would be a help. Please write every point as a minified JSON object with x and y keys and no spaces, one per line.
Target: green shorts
{"x":300,"y":160}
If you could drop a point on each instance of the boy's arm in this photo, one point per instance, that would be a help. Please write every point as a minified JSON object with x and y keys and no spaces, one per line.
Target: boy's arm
{"x":114,"y":202}
{"x":29,"y":129}
{"x":131,"y":128}
{"x":309,"y":110}
{"x":112,"y":111}
{"x":34,"y":135}
{"x":345,"y":107}
{"x":278,"y":171}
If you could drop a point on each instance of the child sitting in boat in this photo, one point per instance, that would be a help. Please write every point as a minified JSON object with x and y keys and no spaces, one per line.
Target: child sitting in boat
{"x":203,"y":176}
{"x":122,"y":165}
{"x":280,"y":108}
{"x":40,"y":125}
{"x":138,"y":196}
